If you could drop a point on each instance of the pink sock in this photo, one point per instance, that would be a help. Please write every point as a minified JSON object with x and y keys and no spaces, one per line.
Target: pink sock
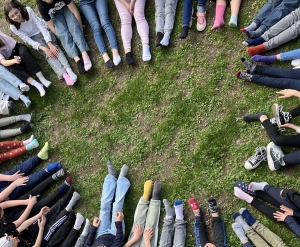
{"x":28,"y":140}
{"x":242,"y":195}
{"x":219,"y":18}
{"x":87,"y":63}
{"x":68,"y":79}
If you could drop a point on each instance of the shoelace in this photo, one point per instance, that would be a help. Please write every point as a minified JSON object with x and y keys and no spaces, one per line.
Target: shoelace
{"x":276,"y":155}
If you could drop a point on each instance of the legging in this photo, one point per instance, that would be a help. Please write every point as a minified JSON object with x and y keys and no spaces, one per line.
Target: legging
{"x":18,"y":149}
{"x":9,"y":132}
{"x":126,"y":22}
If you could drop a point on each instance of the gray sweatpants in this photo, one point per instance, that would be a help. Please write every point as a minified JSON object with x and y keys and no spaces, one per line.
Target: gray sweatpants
{"x":173,"y":229}
{"x":165,"y":11}
{"x":283,"y":31}
{"x":9,"y":132}
{"x":80,"y":241}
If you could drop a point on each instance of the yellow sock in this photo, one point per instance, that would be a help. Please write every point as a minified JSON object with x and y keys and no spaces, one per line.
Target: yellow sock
{"x":147,"y":189}
{"x":43,"y":154}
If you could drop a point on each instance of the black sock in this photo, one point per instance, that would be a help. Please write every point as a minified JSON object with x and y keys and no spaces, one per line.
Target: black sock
{"x":26,"y":128}
{"x":159,"y":38}
{"x":80,"y":66}
{"x":156,"y":191}
{"x":184,"y":32}
{"x":212,"y":204}
{"x":129,"y":58}
{"x":253,"y":117}
{"x":109,"y":64}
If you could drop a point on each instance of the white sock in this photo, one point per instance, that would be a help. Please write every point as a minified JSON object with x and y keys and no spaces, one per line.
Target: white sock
{"x":239,"y":231}
{"x":166,"y":39}
{"x":26,"y":100}
{"x":86,"y":228}
{"x":243,"y":223}
{"x":23,"y":87}
{"x":179,"y":211}
{"x":73,"y":200}
{"x":257,"y":186}
{"x":25,"y":117}
{"x":43,"y":80}
{"x":116,"y":60}
{"x":78,"y":222}
{"x":39,"y":87}
{"x":146,"y":53}
{"x":72,"y":75}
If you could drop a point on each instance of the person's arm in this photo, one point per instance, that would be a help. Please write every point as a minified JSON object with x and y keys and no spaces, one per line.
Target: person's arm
{"x":13,"y":203}
{"x":286,"y":93}
{"x":50,"y":24}
{"x":11,"y":178}
{"x":10,"y":62}
{"x":72,"y":7}
{"x":119,"y":239}
{"x":91,"y":237}
{"x":9,"y":189}
{"x":41,"y":223}
{"x":137,"y":233}
{"x":24,"y":216}
{"x":148,"y":234}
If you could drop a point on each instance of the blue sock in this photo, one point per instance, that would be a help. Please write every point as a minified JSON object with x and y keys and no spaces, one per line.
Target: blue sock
{"x":247,"y":216}
{"x":264,"y":59}
{"x":53,"y":167}
{"x":257,"y":41}
{"x":65,"y":185}
{"x":233,"y":21}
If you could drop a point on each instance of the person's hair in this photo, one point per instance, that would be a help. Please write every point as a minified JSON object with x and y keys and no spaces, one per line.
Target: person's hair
{"x":14,"y":4}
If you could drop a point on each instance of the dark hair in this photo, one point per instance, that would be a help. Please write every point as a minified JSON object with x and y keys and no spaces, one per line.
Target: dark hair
{"x":14,"y":4}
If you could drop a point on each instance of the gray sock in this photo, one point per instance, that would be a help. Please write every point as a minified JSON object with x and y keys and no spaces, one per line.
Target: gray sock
{"x":79,"y":220}
{"x":123,"y":171}
{"x":239,"y":231}
{"x":156,"y":191}
{"x":86,"y":228}
{"x":244,"y":76}
{"x":258,"y":186}
{"x":170,"y":212}
{"x":243,"y":223}
{"x":111,"y":170}
{"x":249,"y":66}
{"x":73,"y":200}
{"x":25,"y":117}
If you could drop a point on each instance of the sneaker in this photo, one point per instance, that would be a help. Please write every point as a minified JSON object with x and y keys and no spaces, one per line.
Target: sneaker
{"x":58,"y":174}
{"x":255,"y":160}
{"x":201,"y":21}
{"x":295,"y":62}
{"x":275,"y":157}
{"x":191,"y":20}
{"x":281,"y":116}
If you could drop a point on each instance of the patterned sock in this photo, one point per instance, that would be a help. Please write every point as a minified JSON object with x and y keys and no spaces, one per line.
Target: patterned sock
{"x":212,"y":204}
{"x":53,"y":167}
{"x":111,"y":170}
{"x":58,"y":174}
{"x":32,"y":145}
{"x":43,"y":154}
{"x":148,"y":185}
{"x":257,"y":186}
{"x":244,"y":187}
{"x":65,"y":185}
{"x":239,"y":231}
{"x":179,"y":209}
{"x":78,"y":222}
{"x":156,"y":191}
{"x":250,"y":67}
{"x":247,"y":216}
{"x":73,"y":200}
{"x":170,"y":212}
{"x":238,"y":219}
{"x":242,"y":195}
{"x":264,"y":59}
{"x":28,"y":140}
{"x":86,"y":229}
{"x":25,"y":117}
{"x":244,"y":76}
{"x":256,"y":50}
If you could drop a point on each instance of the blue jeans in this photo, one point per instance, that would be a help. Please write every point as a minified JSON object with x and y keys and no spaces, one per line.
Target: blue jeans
{"x":24,"y":167}
{"x":9,"y":83}
{"x":112,"y":186}
{"x":187,"y":10}
{"x":69,"y":32}
{"x":292,"y":159}
{"x":290,"y":55}
{"x":96,"y":14}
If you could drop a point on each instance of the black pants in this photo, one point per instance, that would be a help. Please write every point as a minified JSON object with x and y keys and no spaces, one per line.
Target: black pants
{"x":27,"y":67}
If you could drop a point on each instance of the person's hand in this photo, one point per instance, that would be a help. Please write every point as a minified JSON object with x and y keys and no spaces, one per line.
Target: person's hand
{"x":148,"y":234}
{"x":49,"y":53}
{"x":279,"y":216}
{"x":96,"y":222}
{"x":32,"y":200}
{"x":17,"y":175}
{"x":119,"y":216}
{"x":44,"y":211}
{"x":42,"y":222}
{"x":53,"y":49}
{"x":289,"y":125}
{"x":21,"y":181}
{"x":127,"y":5}
{"x":286,"y":93}
{"x":137,"y":232}
{"x":17,"y":59}
{"x":131,"y":7}
{"x":287,"y":210}
{"x":209,"y":245}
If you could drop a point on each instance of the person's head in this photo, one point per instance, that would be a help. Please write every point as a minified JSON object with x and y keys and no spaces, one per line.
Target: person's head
{"x":15,"y":13}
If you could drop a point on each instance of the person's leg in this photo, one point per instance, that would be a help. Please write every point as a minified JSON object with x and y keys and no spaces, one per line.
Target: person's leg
{"x":13,"y":153}
{"x":9,"y":89}
{"x":180,"y":225}
{"x":12,"y":79}
{"x":289,"y":55}
{"x":9,"y":120}
{"x":219,"y":16}
{"x":167,"y":233}
{"x":28,"y":59}
{"x":187,"y":15}
{"x":276,"y":72}
{"x":159,"y":20}
{"x":292,"y":158}
{"x":239,"y":231}
{"x":71,"y":238}
{"x":235,"y":8}
{"x":81,"y":240}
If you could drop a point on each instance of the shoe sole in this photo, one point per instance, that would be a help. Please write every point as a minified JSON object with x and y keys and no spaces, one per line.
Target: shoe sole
{"x":269,"y":158}
{"x":295,"y":63}
{"x":275,"y":110}
{"x":201,"y":28}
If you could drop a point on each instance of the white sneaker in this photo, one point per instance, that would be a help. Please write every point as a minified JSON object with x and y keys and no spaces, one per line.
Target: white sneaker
{"x":201,"y":21}
{"x":295,"y":62}
{"x":275,"y":157}
{"x":255,"y":160}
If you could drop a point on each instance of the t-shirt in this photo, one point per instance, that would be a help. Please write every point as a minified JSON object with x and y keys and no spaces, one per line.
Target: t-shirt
{"x":10,"y":44}
{"x":48,"y":10}
{"x":6,"y":226}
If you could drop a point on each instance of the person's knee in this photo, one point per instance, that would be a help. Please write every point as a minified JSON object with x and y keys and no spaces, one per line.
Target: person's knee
{"x":95,"y":25}
{"x":22,"y":50}
{"x":278,"y":141}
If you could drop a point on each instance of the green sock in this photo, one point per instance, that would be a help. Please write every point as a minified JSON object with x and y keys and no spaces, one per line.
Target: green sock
{"x":43,"y":154}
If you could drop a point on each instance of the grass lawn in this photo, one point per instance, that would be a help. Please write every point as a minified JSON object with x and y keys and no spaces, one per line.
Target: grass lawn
{"x":176,"y":119}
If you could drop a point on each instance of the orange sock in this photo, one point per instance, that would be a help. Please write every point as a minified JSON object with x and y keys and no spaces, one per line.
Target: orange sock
{"x":256,"y":50}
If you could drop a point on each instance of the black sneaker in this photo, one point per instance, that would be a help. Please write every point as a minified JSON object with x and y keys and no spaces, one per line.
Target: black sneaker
{"x":281,"y":116}
{"x":212,"y":204}
{"x":275,"y":157}
{"x":255,"y":160}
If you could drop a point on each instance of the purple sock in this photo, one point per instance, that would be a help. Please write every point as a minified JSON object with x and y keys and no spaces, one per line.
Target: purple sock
{"x":264,"y":59}
{"x":257,"y":41}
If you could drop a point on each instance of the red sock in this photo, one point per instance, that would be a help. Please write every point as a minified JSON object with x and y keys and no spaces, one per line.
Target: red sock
{"x":238,"y":74}
{"x":256,"y":50}
{"x":243,"y":30}
{"x":219,"y":18}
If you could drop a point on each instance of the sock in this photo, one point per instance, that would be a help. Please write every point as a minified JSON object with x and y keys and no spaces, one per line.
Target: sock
{"x":166,"y":39}
{"x":250,"y":67}
{"x":170,"y":212}
{"x":68,"y":79}
{"x":25,"y":100}
{"x":23,"y":87}
{"x":87,"y":63}
{"x":129,"y":58}
{"x":233,"y":21}
{"x":239,"y":231}
{"x":238,"y":219}
{"x":72,"y":75}
{"x":256,"y":50}
{"x":244,"y":76}
{"x":78,"y":222}
{"x":58,"y":174}
{"x":65,"y":185}
{"x":80,"y":66}
{"x":39,"y":87}
{"x":111,"y":170}
{"x":255,"y":34}
{"x":195,"y":207}
{"x":109,"y":64}
{"x":26,"y":128}
{"x":32,"y":145}
{"x":156,"y":191}
{"x":43,"y":154}
{"x":146,"y":53}
{"x":116,"y":60}
{"x":73,"y":200}
{"x":264,"y":59}
{"x":148,"y":185}
{"x":42,"y":79}
{"x":247,"y":216}
{"x":200,"y":9}
{"x":219,"y":18}
{"x":212,"y":204}
{"x":257,"y":186}
{"x":184,"y":32}
{"x":251,"y":27}
{"x":53,"y":167}
{"x":25,"y":117}
{"x":159,"y":37}
{"x":244,"y":187}
{"x":179,"y":209}
{"x":242,"y":195}
{"x":86,"y":229}
{"x":252,"y":118}
{"x":254,"y":42}
{"x":28,"y":140}
{"x":124,"y":171}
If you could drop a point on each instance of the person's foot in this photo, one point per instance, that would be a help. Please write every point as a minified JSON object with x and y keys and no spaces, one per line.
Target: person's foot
{"x":244,"y":187}
{"x":201,"y":21}
{"x":159,"y":37}
{"x":58,"y":174}
{"x":184,"y":32}
{"x":43,"y":154}
{"x":244,"y":76}
{"x":255,"y":50}
{"x":295,"y":62}
{"x":212,"y":204}
{"x":129,"y":58}
{"x":195,"y":206}
{"x":26,"y":128}
{"x":275,"y":157}
{"x":255,"y":160}
{"x":253,"y":117}
{"x":250,"y":67}
{"x":53,"y":167}
{"x":281,"y":116}
{"x":109,"y":64}
{"x":257,"y":185}
{"x":80,"y":67}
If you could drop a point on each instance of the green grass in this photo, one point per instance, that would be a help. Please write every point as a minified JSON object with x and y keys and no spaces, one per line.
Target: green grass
{"x":177,"y":119}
